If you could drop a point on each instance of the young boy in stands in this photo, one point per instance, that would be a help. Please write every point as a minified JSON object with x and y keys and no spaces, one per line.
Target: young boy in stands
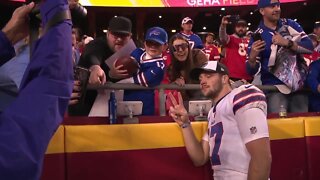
{"x":151,"y":69}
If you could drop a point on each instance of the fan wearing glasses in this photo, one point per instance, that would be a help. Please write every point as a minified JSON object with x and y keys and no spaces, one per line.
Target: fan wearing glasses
{"x":183,"y":60}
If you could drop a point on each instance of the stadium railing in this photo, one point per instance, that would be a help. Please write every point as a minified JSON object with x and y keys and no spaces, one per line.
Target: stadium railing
{"x":161,"y":88}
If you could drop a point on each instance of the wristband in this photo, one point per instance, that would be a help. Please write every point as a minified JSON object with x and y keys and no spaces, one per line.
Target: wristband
{"x":185,"y":125}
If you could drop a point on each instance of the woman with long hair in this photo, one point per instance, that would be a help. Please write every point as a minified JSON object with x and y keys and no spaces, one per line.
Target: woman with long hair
{"x":183,"y":59}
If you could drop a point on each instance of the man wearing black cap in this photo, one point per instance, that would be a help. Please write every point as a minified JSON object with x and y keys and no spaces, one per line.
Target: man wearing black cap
{"x":98,"y":50}
{"x":237,"y":141}
{"x":235,"y":48}
{"x":279,"y":35}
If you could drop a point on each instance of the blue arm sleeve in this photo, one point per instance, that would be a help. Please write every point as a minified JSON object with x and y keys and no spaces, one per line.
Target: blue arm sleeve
{"x":314,"y":76}
{"x":6,"y":49}
{"x":198,"y":43}
{"x":150,"y":76}
{"x":28,"y":124}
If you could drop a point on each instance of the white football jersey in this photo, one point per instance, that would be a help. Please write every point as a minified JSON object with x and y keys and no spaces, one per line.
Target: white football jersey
{"x":238,"y":118}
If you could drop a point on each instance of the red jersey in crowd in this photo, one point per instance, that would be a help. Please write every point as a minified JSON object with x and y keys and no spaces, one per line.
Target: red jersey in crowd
{"x":235,"y":57}
{"x":212,"y":52}
{"x":309,"y":58}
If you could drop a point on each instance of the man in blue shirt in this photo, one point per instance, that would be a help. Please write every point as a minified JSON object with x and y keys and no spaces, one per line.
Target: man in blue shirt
{"x":313,"y":81}
{"x":260,"y":51}
{"x":194,"y":40}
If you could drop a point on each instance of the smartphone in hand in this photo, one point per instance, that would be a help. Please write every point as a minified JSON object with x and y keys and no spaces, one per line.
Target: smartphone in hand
{"x":234,"y":18}
{"x":82,"y":74}
{"x":257,"y":36}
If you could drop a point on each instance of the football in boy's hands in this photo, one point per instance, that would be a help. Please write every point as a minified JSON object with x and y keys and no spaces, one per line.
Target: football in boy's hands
{"x":129,"y":64}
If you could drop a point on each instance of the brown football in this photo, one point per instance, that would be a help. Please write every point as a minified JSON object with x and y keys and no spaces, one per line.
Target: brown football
{"x":129,"y":64}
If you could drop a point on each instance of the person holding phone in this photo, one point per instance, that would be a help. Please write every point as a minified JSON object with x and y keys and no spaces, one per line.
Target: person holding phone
{"x":235,"y":47}
{"x":259,"y":59}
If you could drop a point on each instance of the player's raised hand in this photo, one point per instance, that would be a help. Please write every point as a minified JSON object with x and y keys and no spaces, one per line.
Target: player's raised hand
{"x":177,"y":111}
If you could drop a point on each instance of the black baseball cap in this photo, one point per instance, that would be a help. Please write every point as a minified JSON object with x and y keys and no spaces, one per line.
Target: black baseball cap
{"x":120,"y":24}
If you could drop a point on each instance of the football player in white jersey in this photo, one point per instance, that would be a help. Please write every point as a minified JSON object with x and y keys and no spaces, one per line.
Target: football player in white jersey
{"x":237,"y":141}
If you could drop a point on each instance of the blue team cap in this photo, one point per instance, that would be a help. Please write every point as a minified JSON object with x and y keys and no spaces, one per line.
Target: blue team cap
{"x":267,"y":3}
{"x":157,"y":34}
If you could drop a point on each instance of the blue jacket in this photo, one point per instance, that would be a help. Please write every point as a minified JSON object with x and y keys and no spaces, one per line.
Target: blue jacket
{"x":27,"y":125}
{"x":266,"y":77}
{"x":313,"y":81}
{"x":194,"y":40}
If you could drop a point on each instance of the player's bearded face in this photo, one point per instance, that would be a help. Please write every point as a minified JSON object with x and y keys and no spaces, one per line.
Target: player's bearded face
{"x":211,"y":84}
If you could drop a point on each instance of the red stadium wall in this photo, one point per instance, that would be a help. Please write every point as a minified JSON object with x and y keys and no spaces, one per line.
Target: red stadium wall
{"x":90,"y":150}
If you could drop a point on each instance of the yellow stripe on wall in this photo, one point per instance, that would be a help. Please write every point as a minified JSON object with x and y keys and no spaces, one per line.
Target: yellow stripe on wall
{"x":312,"y":126}
{"x":287,"y":128}
{"x":92,"y":138}
{"x":148,"y":3}
{"x":56,"y":144}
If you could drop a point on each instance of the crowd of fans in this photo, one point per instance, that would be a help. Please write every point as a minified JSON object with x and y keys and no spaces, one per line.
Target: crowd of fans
{"x":36,"y":86}
{"x":184,"y":51}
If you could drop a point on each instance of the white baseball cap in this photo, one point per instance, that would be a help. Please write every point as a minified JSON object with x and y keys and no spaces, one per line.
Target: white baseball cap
{"x":186,"y":20}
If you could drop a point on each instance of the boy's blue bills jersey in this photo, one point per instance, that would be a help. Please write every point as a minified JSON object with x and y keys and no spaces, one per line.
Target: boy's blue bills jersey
{"x":150,"y":74}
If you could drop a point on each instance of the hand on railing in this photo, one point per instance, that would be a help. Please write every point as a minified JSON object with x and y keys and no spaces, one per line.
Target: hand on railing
{"x":180,"y":81}
{"x":97,"y":75}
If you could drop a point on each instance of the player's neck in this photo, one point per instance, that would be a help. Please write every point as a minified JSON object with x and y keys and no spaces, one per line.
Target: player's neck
{"x":225,"y":90}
